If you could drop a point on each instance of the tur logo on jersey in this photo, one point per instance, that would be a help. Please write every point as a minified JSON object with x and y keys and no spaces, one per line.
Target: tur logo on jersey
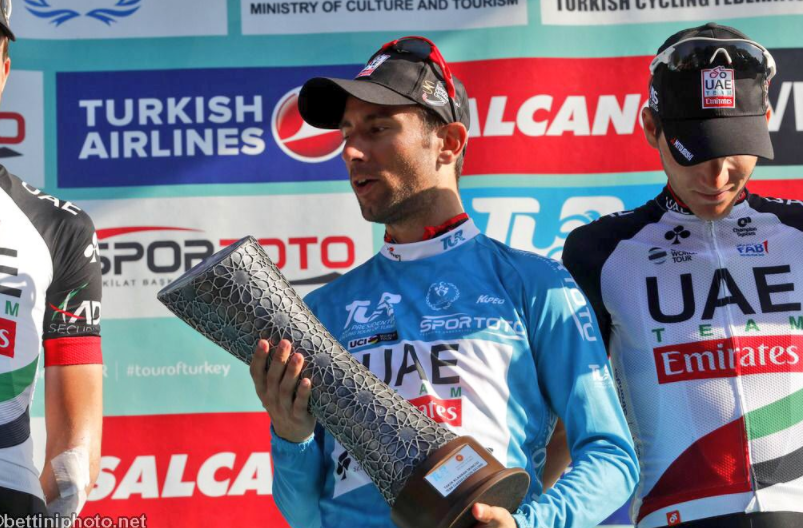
{"x":8,"y":337}
{"x":359,"y":310}
{"x":297,"y":138}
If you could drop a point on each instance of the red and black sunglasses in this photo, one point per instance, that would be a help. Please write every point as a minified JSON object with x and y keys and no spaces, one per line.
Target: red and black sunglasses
{"x":425,"y":49}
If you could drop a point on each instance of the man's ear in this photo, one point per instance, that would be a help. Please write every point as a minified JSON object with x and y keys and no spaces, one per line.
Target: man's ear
{"x":650,"y":130}
{"x":454,"y":137}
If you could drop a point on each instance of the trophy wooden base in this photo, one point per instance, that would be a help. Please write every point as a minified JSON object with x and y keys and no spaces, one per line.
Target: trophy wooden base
{"x":442,"y":490}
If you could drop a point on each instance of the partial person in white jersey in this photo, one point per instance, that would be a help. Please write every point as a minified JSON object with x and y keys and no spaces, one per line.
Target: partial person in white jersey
{"x":50,"y":293}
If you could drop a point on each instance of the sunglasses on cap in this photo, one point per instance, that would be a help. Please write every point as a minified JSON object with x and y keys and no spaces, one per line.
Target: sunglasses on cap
{"x":699,"y":52}
{"x":425,"y":49}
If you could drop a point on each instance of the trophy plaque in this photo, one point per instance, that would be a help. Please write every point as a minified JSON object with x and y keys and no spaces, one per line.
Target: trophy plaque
{"x":429,"y":476}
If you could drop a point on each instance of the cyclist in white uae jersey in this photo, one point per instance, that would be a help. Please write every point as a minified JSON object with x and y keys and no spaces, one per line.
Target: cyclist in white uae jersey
{"x":699,"y":296}
{"x":489,"y":341}
{"x":50,"y":287}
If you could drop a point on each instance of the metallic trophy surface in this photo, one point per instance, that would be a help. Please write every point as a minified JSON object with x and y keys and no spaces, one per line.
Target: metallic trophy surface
{"x":238,"y":296}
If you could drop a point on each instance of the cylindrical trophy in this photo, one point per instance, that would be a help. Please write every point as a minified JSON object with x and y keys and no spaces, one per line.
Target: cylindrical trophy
{"x":428,"y":475}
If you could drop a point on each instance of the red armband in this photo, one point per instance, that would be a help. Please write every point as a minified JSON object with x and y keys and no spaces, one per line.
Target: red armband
{"x":73,"y":351}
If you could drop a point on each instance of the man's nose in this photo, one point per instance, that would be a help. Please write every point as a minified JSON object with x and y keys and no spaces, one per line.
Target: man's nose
{"x":715,"y":173}
{"x":354,"y":150}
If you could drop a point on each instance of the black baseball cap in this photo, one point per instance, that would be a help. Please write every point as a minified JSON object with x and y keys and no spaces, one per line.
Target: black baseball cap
{"x":5,"y":16}
{"x":710,"y":88}
{"x":406,"y":71}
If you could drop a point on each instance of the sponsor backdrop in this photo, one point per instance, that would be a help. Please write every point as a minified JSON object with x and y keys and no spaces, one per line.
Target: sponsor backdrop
{"x":175,"y":125}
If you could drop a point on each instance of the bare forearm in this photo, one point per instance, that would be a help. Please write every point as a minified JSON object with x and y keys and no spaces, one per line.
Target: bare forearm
{"x":73,"y":417}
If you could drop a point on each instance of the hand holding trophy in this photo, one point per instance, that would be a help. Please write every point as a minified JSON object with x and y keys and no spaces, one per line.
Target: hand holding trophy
{"x":427,"y":474}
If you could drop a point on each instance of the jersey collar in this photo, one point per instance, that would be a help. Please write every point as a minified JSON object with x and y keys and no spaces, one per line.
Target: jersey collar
{"x":668,"y":201}
{"x":435,"y":246}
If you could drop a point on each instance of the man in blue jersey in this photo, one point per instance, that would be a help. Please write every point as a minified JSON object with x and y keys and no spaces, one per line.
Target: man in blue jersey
{"x":488,"y":341}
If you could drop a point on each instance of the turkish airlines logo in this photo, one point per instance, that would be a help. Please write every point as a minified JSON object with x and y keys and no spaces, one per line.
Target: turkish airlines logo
{"x":298,"y":139}
{"x":728,"y":358}
{"x":441,"y":411}
{"x":8,"y":336}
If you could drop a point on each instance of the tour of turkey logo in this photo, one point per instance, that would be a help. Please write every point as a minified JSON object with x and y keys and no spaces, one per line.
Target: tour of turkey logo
{"x":297,"y":138}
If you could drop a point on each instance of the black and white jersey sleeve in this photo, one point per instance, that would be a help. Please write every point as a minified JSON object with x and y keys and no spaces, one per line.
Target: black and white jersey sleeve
{"x":50,"y":293}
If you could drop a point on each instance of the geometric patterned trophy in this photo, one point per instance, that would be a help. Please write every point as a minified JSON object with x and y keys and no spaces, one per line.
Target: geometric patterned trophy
{"x":428,"y":475}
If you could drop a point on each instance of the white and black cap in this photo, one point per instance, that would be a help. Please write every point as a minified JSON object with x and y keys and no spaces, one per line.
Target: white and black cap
{"x":710,"y":88}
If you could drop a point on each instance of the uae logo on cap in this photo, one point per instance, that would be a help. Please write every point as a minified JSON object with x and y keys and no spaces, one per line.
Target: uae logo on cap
{"x":297,"y":138}
{"x":719,"y":90}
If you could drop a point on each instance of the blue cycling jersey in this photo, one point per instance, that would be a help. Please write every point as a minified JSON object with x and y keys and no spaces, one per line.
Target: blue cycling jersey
{"x":490,"y":342}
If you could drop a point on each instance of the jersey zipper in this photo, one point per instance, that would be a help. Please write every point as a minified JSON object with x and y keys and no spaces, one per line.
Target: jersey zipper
{"x":721,"y":264}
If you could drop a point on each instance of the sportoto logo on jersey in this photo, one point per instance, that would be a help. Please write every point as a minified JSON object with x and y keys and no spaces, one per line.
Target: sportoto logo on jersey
{"x":193,"y":126}
{"x":298,"y":139}
{"x":210,"y":479}
{"x":81,"y":19}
